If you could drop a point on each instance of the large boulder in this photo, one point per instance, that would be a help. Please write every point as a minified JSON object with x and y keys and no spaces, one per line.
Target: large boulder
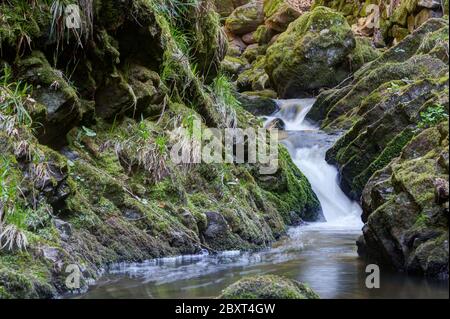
{"x":268,"y":287}
{"x":246,"y":18}
{"x":311,"y":54}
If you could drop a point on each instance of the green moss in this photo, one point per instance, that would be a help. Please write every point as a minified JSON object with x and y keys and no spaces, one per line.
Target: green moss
{"x":22,"y":22}
{"x":268,"y":287}
{"x":295,"y":70}
{"x":392,"y":150}
{"x":363,"y":53}
{"x":22,"y":276}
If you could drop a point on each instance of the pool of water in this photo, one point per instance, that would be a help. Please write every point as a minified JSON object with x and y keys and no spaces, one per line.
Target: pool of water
{"x":321,"y":256}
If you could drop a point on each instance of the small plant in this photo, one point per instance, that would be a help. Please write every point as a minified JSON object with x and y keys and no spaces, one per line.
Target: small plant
{"x":394,"y":87}
{"x":12,"y":216}
{"x":15,"y":98}
{"x":432,"y":116}
{"x":226,"y":101}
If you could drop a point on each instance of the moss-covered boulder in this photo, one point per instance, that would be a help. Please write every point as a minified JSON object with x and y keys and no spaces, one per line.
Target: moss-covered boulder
{"x":233,"y":66}
{"x":311,"y":54}
{"x":394,"y":20}
{"x":268,"y":287}
{"x":246,"y":18}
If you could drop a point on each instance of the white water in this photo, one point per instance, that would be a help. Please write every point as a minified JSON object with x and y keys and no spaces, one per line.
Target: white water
{"x":339,"y":211}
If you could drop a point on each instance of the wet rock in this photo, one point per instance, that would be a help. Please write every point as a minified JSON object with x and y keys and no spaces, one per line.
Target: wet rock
{"x":311,"y":54}
{"x":218,"y":235}
{"x":268,"y":287}
{"x":276,"y":124}
{"x":246,"y":18}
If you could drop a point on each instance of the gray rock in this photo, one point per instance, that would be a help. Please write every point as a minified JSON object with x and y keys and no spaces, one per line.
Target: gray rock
{"x":64,"y":228}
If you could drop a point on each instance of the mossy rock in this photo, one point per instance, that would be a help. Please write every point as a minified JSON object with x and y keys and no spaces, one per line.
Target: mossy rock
{"x":402,"y":208}
{"x":254,"y":78}
{"x":311,"y":54}
{"x":246,"y":18}
{"x":268,"y":287}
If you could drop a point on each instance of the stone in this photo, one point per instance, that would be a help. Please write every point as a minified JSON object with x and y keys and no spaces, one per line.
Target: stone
{"x":234,"y":66}
{"x":148,"y":92}
{"x":64,"y":228}
{"x":286,"y":12}
{"x":258,"y":105}
{"x":424,"y":15}
{"x":276,"y":124}
{"x":50,"y":89}
{"x":249,"y":38}
{"x":268,"y":287}
{"x":246,"y":18}
{"x":311,"y":54}
{"x":255,"y":78}
{"x":441,"y":191}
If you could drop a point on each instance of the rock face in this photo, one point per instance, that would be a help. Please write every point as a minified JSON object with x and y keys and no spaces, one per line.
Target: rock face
{"x":268,"y":287}
{"x":311,"y":54}
{"x":372,"y":106}
{"x":61,"y":107}
{"x":406,"y":208}
{"x":393,"y":156}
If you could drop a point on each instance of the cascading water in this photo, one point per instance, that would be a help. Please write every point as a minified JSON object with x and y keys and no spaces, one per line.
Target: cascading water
{"x":308,"y":146}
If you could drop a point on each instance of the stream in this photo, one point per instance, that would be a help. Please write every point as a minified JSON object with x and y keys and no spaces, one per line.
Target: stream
{"x":323,"y":255}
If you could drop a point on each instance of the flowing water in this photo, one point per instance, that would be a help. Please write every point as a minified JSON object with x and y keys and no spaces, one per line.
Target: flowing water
{"x":320,"y":254}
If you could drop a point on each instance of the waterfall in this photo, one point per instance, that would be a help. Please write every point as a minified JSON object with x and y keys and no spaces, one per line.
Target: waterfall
{"x":308,"y":145}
